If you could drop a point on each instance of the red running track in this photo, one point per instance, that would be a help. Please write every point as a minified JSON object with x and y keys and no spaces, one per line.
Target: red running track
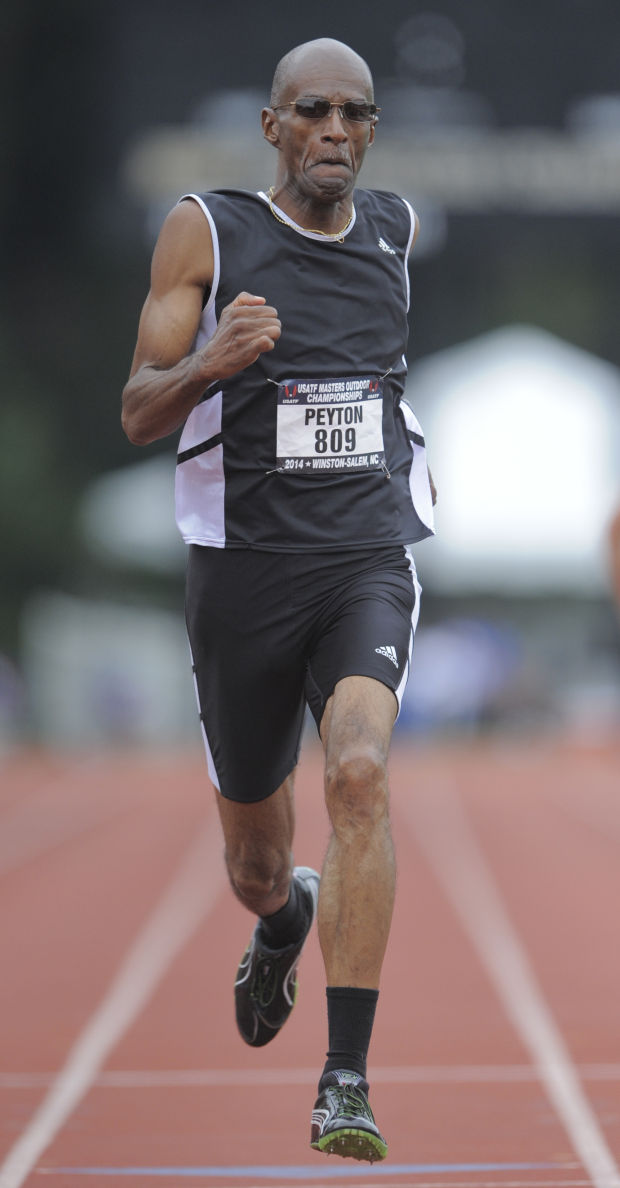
{"x":496,"y":1053}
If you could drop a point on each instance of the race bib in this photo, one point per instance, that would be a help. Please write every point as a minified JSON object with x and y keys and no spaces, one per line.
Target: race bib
{"x":330,"y":426}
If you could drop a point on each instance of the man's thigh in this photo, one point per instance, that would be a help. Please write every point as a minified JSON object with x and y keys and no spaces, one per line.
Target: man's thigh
{"x":249,"y":664}
{"x":367,"y":631}
{"x":359,"y":717}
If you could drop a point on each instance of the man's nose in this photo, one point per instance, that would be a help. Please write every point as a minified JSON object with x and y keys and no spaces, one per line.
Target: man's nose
{"x":334,"y":127}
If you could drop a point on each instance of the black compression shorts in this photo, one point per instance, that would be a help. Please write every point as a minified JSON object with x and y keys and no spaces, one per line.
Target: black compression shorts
{"x":270,"y":632}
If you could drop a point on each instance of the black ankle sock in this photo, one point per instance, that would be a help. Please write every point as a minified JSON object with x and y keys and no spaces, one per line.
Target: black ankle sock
{"x":350,"y":1016}
{"x":288,"y":925}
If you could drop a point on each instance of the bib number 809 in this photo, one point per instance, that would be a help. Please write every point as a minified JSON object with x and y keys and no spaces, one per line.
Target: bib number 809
{"x":334,"y":440}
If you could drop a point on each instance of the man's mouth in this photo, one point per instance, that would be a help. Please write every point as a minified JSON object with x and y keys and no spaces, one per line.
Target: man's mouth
{"x":334,"y":161}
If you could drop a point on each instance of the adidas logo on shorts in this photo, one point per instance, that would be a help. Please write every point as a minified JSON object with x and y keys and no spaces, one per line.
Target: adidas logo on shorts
{"x":389,"y":652}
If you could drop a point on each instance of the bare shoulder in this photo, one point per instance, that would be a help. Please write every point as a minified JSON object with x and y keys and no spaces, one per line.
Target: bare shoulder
{"x":184,"y":250}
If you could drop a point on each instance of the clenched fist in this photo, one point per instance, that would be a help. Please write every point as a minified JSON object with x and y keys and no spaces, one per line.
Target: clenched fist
{"x":247,"y":327}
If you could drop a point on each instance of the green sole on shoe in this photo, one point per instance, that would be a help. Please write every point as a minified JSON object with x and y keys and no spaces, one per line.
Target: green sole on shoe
{"x":352,"y":1144}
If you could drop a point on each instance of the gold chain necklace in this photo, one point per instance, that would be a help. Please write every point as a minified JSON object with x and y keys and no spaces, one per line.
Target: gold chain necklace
{"x":336,"y":236}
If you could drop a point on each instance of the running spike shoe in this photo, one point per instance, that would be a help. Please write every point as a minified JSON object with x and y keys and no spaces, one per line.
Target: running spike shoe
{"x":343,"y":1122}
{"x":266,"y":983}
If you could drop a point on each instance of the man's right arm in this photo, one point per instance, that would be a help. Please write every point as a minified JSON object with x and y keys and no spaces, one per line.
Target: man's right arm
{"x":165,"y":380}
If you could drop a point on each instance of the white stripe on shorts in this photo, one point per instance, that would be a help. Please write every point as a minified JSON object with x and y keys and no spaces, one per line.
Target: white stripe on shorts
{"x":415,"y":614}
{"x":213,"y":776}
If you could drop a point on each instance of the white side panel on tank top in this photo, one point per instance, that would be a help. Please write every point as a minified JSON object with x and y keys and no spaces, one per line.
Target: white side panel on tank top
{"x":200,"y":481}
{"x":419,"y":485}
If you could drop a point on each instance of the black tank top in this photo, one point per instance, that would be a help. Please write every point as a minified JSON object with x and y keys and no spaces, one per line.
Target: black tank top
{"x":312,"y":447}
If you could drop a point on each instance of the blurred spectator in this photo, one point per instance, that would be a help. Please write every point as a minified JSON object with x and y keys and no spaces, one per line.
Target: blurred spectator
{"x":462,"y":670}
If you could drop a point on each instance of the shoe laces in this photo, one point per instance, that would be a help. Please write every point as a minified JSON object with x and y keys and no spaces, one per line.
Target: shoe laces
{"x":351,"y":1102}
{"x":265,"y":982}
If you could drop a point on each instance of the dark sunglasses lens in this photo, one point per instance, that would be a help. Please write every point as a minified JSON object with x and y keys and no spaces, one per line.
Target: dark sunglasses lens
{"x":313,"y":109}
{"x":359,"y":112}
{"x":317,"y":109}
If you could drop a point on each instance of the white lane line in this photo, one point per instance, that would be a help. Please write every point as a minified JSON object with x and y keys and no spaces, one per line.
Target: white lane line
{"x":235,"y":1078}
{"x":441,"y":826}
{"x":182,"y":908}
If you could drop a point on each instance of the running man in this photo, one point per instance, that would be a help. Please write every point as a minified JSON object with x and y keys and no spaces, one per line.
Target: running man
{"x":274,"y":332}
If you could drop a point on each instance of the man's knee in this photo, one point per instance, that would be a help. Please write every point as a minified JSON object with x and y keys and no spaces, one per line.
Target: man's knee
{"x":259,"y":877}
{"x":356,"y":787}
{"x":258,"y":840}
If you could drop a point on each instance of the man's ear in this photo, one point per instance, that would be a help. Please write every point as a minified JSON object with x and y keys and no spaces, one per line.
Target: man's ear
{"x":371,"y":136}
{"x":269,"y":121}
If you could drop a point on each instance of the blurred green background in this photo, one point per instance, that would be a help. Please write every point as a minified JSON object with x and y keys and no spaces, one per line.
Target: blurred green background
{"x":501,"y":123}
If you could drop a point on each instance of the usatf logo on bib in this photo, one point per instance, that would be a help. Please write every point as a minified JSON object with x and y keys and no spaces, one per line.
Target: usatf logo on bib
{"x":328,"y":426}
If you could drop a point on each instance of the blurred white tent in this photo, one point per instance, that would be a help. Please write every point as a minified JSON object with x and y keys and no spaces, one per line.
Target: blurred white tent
{"x":127,"y":517}
{"x":523,"y":434}
{"x":107,"y":672}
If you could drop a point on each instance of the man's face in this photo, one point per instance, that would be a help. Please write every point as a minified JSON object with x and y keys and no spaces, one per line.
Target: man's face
{"x":321,"y":158}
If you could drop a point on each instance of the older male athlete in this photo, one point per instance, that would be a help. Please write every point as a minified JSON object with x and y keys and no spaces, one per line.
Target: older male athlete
{"x":275,"y":331}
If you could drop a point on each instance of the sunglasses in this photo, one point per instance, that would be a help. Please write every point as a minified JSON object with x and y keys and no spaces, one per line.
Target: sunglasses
{"x":318,"y":109}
